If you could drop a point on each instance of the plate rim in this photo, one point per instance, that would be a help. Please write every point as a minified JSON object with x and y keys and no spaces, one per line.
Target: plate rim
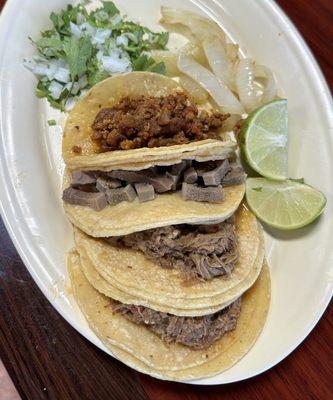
{"x":23,"y":250}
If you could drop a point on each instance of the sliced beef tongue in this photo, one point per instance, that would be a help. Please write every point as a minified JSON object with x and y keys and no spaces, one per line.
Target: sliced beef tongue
{"x":82,"y":178}
{"x":104,"y":184}
{"x":195,"y":332}
{"x":190,"y":175}
{"x":96,"y":201}
{"x":161,"y":182}
{"x":175,"y":180}
{"x":178,"y":169}
{"x":194,"y":250}
{"x":115,"y":196}
{"x":214,"y":177}
{"x":201,"y":182}
{"x":145,"y":191}
{"x":209,"y":194}
{"x":202,"y":167}
{"x":127,"y":176}
{"x":235,"y":176}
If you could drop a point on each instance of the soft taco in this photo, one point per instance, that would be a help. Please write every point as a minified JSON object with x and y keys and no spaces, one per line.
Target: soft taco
{"x":189,"y":269}
{"x":142,"y":116}
{"x":101,"y":205}
{"x":171,"y":347}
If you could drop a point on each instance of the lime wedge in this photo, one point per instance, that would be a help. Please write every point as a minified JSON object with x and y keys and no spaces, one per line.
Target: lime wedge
{"x":285,"y":205}
{"x":264,"y":138}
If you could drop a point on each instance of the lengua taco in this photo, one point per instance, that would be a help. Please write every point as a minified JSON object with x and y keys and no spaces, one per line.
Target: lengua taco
{"x":168,"y":346}
{"x":120,"y":202}
{"x":187,"y":270}
{"x":142,"y":116}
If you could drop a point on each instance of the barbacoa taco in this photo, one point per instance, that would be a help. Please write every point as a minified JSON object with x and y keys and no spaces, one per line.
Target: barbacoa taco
{"x":190,"y":270}
{"x":168,"y":346}
{"x":142,"y":118}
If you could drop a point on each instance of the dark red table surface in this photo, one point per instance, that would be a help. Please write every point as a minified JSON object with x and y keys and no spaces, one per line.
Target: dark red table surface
{"x":47,"y":359}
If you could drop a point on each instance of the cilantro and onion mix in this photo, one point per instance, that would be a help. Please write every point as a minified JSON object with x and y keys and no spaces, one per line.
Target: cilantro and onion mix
{"x":83,"y":48}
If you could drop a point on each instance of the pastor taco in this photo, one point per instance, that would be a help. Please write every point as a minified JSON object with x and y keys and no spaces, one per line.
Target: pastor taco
{"x":141,"y":116}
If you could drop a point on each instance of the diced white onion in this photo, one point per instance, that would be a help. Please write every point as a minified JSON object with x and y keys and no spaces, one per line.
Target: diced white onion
{"x":73,"y":87}
{"x":29,"y":63}
{"x":62,"y":75}
{"x":43,"y":69}
{"x":55,"y":90}
{"x":71,"y":103}
{"x":75,"y":30}
{"x":122,"y":40}
{"x":80,"y":19}
{"x":115,"y":19}
{"x":131,"y":37}
{"x":83,"y":93}
{"x":101,"y":35}
{"x":219,"y":61}
{"x":83,"y":81}
{"x":115,"y":65}
{"x":100,"y":55}
{"x":88,"y":29}
{"x":215,"y":87}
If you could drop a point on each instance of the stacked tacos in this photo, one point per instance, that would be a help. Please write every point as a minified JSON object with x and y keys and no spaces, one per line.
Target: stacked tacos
{"x":169,"y":265}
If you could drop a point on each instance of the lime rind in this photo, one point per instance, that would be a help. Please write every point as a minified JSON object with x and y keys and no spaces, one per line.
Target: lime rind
{"x":264,"y":138}
{"x":285,"y":205}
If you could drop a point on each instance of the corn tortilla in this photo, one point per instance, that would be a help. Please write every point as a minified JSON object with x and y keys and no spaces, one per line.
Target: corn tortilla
{"x":106,"y":288}
{"x":78,"y":129}
{"x":140,"y":348}
{"x":166,"y":209}
{"x":129,"y":270}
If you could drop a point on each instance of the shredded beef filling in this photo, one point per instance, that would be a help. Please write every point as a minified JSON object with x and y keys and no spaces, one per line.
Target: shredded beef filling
{"x":198,"y":251}
{"x":195,"y":332}
{"x":154,"y":122}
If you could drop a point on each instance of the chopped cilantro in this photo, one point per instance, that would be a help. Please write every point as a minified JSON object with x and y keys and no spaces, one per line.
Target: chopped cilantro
{"x":97,"y":76}
{"x":146,"y":63}
{"x":142,"y":63}
{"x":110,"y":8}
{"x":51,"y":122}
{"x":257,"y":189}
{"x":78,"y":52}
{"x":158,"y":68}
{"x":83,"y":48}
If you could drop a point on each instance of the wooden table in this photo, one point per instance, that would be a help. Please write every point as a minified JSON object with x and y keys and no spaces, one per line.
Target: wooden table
{"x":47,"y":359}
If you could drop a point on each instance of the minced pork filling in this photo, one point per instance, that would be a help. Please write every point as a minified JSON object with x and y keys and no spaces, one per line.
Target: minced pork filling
{"x":153,"y":122}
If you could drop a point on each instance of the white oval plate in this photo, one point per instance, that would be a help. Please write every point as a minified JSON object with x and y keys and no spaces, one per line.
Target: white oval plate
{"x":30,"y":166}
